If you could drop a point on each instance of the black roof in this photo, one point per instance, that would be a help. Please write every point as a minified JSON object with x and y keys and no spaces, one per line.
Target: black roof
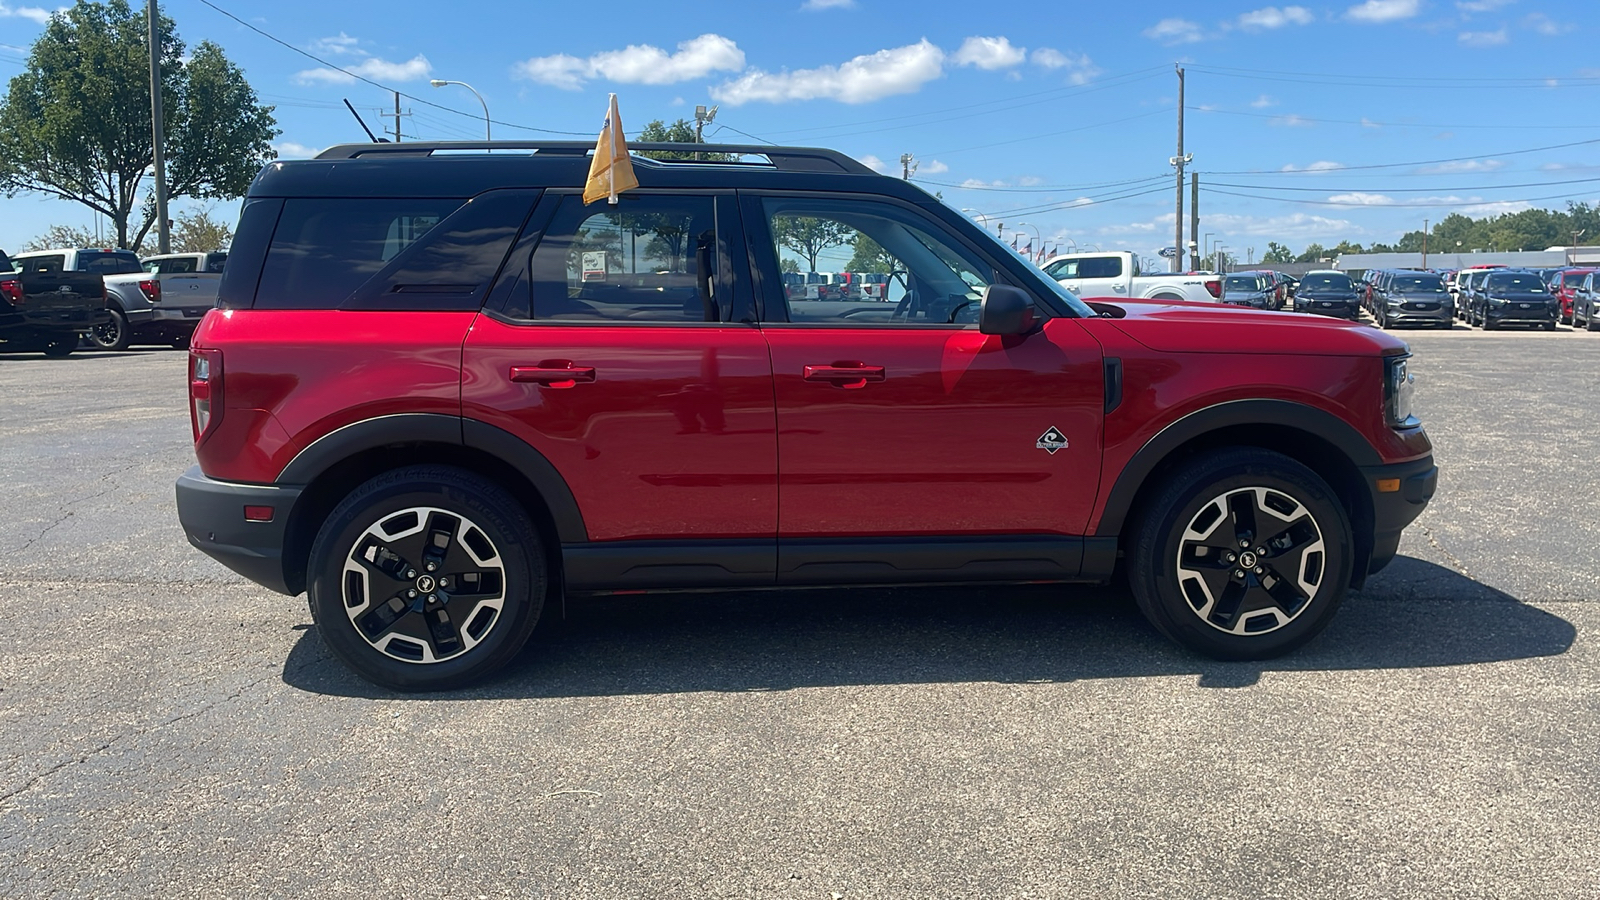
{"x":465,"y":169}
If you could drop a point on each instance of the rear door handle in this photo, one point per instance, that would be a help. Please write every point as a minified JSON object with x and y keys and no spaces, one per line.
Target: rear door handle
{"x":552,"y":375}
{"x":851,"y":376}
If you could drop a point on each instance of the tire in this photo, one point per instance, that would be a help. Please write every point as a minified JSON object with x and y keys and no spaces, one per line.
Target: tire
{"x":1549,"y":326}
{"x":1589,"y":323}
{"x":376,"y":543}
{"x":60,"y":345}
{"x":113,"y":335}
{"x":1188,"y":598}
{"x":1489,"y":324}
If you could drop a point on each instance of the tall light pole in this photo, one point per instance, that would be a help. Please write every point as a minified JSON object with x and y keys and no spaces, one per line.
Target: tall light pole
{"x":163,"y":238}
{"x":981,"y":217}
{"x":1424,"y":243}
{"x":1037,"y":236}
{"x":1222,"y":266}
{"x":439,"y":83}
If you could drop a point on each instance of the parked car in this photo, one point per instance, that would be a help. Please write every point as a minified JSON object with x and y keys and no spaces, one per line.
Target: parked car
{"x":1253,"y":289}
{"x":1512,"y":297}
{"x":1458,"y":287}
{"x":1564,"y":287}
{"x":1117,"y":274}
{"x":1412,"y":298}
{"x":874,"y":285}
{"x":438,"y":432}
{"x":161,"y":304}
{"x":1586,"y":302}
{"x":1329,"y":293}
{"x":44,"y":307}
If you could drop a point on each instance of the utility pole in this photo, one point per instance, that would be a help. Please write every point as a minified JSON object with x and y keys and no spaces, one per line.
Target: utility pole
{"x":702,"y":118}
{"x":908,"y":166}
{"x":1179,"y":161}
{"x":397,"y":117}
{"x":1194,"y":217}
{"x":163,"y":236}
{"x":1424,"y":243}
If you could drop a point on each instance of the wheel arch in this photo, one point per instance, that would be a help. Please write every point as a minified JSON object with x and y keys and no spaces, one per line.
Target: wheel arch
{"x":1317,"y":439}
{"x":335,"y":464}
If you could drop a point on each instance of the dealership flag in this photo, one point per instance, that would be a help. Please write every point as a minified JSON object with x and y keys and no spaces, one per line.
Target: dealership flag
{"x":611,"y":171}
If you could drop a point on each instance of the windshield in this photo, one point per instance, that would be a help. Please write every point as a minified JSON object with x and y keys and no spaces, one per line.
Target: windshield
{"x":1410,"y":284}
{"x":1527,"y":283}
{"x":1332,"y":282}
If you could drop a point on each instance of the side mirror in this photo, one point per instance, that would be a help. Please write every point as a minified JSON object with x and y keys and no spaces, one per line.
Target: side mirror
{"x":1005,"y":310}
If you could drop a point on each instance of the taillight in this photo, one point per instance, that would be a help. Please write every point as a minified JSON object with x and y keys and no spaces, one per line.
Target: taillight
{"x":12,"y":291}
{"x":151,"y":290}
{"x":205,"y":390}
{"x":1214,"y":288}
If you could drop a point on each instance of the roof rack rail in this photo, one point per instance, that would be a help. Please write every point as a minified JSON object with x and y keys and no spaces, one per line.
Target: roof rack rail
{"x":784,"y":159}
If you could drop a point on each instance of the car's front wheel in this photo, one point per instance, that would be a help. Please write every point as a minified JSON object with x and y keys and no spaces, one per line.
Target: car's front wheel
{"x":1241,"y":554}
{"x":426,"y":578}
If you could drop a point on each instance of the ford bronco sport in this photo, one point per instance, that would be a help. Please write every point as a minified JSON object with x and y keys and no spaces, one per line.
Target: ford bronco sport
{"x":441,"y":391}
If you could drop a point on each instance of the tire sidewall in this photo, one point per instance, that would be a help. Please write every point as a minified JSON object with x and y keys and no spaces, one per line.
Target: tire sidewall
{"x":123,"y":337}
{"x":1154,"y":575}
{"x":501,"y":520}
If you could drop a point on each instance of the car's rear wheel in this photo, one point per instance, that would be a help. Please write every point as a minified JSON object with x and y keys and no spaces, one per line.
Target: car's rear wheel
{"x":426,"y":578}
{"x":113,"y":334}
{"x":1241,"y":554}
{"x":59,"y":345}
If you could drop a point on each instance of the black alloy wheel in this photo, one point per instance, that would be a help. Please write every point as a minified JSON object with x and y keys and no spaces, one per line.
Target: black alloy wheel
{"x":112,"y":334}
{"x":1241,"y":554}
{"x":427,"y":578}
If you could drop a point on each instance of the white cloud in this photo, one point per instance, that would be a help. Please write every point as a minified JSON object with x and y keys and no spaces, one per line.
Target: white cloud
{"x":1295,"y":226}
{"x":414,"y":69}
{"x":873,"y":163}
{"x":989,"y":53}
{"x":337,"y":45}
{"x":1083,"y":68}
{"x":1175,"y":31}
{"x":933,"y":167}
{"x":1462,"y":166}
{"x":1321,"y":165}
{"x":1292,"y":121}
{"x":1362,"y":199}
{"x":1273,"y":17}
{"x":1471,"y":206}
{"x":636,"y":64}
{"x":819,"y":5}
{"x":1483,"y":38}
{"x":1547,"y":26}
{"x":1263,"y":101}
{"x":31,"y":13}
{"x":1030,"y":180}
{"x":971,"y":183}
{"x":886,"y":73}
{"x":292,"y":150}
{"x":1368,"y":123}
{"x":1384,"y":10}
{"x":1478,"y":6}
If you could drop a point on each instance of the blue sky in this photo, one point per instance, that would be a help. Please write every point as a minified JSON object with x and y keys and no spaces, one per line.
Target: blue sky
{"x":1356,"y":120}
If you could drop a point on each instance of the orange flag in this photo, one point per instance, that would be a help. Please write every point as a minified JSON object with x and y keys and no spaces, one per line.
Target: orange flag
{"x":611,"y":171}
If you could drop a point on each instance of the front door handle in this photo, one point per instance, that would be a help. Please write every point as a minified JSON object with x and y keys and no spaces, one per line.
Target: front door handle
{"x":851,"y":376}
{"x":553,"y":374}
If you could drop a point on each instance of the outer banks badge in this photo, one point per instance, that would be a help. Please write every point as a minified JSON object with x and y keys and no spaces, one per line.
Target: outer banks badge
{"x":1051,"y":441}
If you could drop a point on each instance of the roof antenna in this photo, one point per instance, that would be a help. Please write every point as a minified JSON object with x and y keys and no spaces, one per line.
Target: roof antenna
{"x":370,"y":136}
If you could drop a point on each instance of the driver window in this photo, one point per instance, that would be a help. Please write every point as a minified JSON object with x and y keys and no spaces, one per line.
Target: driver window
{"x":865,"y":263}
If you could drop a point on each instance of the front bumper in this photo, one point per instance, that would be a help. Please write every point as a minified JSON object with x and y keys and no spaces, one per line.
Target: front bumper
{"x":1401,"y":315}
{"x":1399,"y":494}
{"x":212,"y":515}
{"x":1515,"y":312}
{"x":1344,"y":309}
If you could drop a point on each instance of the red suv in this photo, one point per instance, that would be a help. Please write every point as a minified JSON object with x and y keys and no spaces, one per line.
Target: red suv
{"x":443,"y":392}
{"x":1564,"y":285}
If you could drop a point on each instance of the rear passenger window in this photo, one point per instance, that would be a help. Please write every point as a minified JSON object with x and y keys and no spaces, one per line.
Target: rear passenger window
{"x":652,"y":258}
{"x":414,"y":254}
{"x":1100,"y":267}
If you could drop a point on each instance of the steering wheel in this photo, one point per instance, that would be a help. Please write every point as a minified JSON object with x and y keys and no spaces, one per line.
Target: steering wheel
{"x":904,"y":306}
{"x":956,"y":310}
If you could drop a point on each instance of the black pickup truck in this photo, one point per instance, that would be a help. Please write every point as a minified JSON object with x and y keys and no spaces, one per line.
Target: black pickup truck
{"x":44,"y":308}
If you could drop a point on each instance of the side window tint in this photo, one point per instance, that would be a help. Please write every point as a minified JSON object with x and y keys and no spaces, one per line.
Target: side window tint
{"x":1100,"y":267}
{"x":43,"y":265}
{"x":867,"y":263}
{"x":215,"y":262}
{"x":182,"y":265}
{"x":651,"y":258}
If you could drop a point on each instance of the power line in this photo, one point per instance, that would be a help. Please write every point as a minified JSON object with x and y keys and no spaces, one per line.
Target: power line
{"x":1401,"y":165}
{"x":413,"y":98}
{"x":1348,"y":204}
{"x":1042,"y":188}
{"x":1422,"y":190}
{"x":1368,"y":123}
{"x":1391,"y":81}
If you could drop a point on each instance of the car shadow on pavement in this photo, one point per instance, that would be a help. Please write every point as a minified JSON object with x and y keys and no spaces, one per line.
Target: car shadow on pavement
{"x":1414,"y":614}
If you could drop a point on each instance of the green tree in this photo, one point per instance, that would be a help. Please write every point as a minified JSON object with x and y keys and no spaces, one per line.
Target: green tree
{"x":869,"y":256}
{"x":808,"y":236}
{"x":787,"y":264}
{"x":76,"y":124}
{"x":196,"y":232}
{"x":58,"y":236}
{"x":1277,"y":253}
{"x":679,"y":132}
{"x":1313,"y":253}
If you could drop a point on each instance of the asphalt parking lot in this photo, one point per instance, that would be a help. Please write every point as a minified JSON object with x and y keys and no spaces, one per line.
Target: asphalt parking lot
{"x":169,"y":729}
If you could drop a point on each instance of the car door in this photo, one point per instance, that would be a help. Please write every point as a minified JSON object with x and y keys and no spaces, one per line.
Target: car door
{"x":910,"y":445}
{"x":620,"y":345}
{"x":1095,"y":276}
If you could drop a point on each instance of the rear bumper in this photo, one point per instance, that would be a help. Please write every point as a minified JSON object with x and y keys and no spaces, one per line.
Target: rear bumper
{"x":1393,"y":510}
{"x":212,"y":515}
{"x":55,"y":320}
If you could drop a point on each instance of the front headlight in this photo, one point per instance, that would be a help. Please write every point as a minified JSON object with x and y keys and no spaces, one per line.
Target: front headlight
{"x":1397,"y":390}
{"x":1497,"y":301}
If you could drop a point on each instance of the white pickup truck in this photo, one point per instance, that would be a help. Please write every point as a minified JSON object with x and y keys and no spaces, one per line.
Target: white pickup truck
{"x":161,"y":304}
{"x":1116,"y":274}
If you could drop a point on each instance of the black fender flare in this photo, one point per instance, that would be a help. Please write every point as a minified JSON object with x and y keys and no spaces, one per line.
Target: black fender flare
{"x":437,"y":428}
{"x":1282,"y":413}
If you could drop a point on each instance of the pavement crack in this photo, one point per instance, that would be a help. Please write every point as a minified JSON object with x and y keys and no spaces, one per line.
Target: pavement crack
{"x":1433,"y":541}
{"x":69,"y":505}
